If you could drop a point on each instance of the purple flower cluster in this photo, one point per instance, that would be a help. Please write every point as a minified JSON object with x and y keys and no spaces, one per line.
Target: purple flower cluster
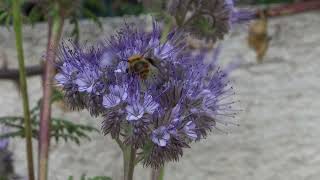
{"x":153,"y":95}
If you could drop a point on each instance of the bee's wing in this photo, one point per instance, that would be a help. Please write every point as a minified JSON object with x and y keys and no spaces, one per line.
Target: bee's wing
{"x":158,"y":73}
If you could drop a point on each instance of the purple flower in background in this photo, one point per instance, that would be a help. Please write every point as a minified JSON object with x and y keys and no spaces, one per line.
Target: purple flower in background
{"x":154,"y":95}
{"x":6,"y":161}
{"x":207,"y":19}
{"x":4,"y":143}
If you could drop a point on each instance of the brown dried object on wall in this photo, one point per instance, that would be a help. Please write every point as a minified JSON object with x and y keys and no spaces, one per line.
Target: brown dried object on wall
{"x":258,"y":38}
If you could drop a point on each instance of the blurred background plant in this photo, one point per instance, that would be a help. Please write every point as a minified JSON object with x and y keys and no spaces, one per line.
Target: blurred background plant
{"x":54,"y":12}
{"x":61,"y":129}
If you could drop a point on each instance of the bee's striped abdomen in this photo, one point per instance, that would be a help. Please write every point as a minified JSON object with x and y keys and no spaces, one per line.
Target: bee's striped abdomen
{"x":134,"y":58}
{"x":139,"y":65}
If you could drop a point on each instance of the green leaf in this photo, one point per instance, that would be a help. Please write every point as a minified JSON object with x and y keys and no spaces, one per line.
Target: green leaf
{"x":34,"y":15}
{"x":8,"y":20}
{"x":147,"y":148}
{"x":60,"y":128}
{"x":18,"y":133}
{"x":92,"y":16}
{"x":75,"y":31}
{"x":10,"y":118}
{"x":83,"y":177}
{"x":3,"y":15}
{"x":56,"y":95}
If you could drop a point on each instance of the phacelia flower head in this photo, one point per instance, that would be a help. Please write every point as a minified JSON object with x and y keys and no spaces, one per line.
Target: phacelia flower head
{"x":208,"y":19}
{"x":154,"y":95}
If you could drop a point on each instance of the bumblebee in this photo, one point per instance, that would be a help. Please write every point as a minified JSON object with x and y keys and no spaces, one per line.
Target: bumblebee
{"x":139,"y":65}
{"x":151,"y":71}
{"x":145,"y":67}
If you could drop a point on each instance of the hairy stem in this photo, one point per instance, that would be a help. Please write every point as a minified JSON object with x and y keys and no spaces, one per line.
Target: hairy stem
{"x":129,"y":156}
{"x":121,"y":145}
{"x":23,"y":86}
{"x":55,"y":31}
{"x":157,"y":174}
{"x":131,"y":163}
{"x":125,"y":164}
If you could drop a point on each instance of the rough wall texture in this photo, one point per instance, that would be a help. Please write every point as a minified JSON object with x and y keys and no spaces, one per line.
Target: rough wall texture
{"x":278,"y":137}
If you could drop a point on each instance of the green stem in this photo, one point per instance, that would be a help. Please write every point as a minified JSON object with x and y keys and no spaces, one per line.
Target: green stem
{"x":55,"y":31}
{"x":157,"y":174}
{"x":131,"y":163}
{"x":126,"y":157}
{"x":23,"y":86}
{"x":161,"y":176}
{"x":129,"y":156}
{"x":121,"y":145}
